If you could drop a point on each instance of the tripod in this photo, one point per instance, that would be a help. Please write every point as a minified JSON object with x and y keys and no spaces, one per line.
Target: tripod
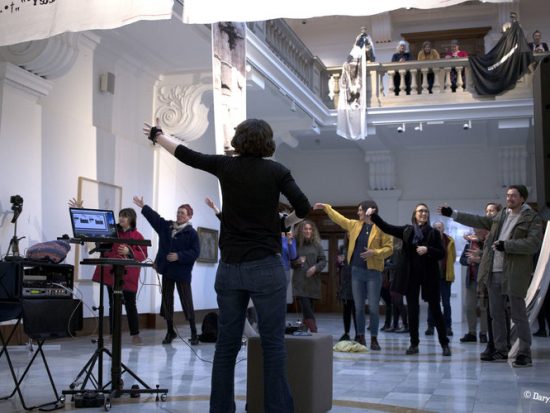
{"x":14,"y":242}
{"x":96,"y":396}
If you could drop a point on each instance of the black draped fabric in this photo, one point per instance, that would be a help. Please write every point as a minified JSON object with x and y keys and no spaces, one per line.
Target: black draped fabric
{"x":500,"y":69}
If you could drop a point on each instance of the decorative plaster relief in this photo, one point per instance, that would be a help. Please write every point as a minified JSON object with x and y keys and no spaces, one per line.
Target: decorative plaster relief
{"x":49,"y":58}
{"x":181,"y":111}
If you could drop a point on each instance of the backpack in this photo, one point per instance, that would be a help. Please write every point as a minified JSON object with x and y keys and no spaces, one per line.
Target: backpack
{"x":209,"y":328}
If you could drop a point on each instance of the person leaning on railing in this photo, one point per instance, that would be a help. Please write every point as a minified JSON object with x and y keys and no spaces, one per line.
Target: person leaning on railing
{"x":427,"y":53}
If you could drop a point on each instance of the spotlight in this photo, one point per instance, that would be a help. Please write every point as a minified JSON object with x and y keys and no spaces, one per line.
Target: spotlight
{"x":293,"y":107}
{"x":419,"y":127}
{"x":467,"y":125}
{"x":401,"y":129}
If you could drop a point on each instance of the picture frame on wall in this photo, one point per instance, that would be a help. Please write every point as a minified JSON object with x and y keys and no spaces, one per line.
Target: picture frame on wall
{"x":208,"y":240}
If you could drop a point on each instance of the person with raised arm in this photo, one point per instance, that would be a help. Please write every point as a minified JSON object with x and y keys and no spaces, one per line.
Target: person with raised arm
{"x":515,"y":236}
{"x":422,"y":251}
{"x":178,"y":250}
{"x":250,"y":266}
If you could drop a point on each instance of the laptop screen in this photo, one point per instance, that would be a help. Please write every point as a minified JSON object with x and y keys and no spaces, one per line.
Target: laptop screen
{"x":98,"y":223}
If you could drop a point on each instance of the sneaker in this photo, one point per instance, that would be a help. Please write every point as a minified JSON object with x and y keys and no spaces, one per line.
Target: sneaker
{"x":522,"y":361}
{"x":170,"y":336}
{"x":374,"y":344}
{"x":137,"y":341}
{"x":412,"y":350}
{"x":345,"y":337}
{"x":482,"y":338}
{"x":449,"y":331}
{"x":402,"y":330}
{"x":540,"y":333}
{"x":361,"y":339}
{"x":469,"y":338}
{"x":429,"y":331}
{"x":495,"y":356}
{"x":194,"y":340}
{"x":446,"y":350}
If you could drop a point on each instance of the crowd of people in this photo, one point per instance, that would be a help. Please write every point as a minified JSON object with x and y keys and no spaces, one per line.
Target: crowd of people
{"x":261,"y":257}
{"x":427,"y":52}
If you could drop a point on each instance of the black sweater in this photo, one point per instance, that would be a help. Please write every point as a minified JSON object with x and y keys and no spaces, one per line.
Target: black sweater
{"x":251,"y":187}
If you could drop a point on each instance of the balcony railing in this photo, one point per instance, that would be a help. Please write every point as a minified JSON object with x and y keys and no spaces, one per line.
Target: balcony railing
{"x":381,"y":90}
{"x":436,"y":82}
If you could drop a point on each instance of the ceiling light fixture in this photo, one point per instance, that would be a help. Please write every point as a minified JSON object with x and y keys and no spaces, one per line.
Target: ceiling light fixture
{"x":402,"y":128}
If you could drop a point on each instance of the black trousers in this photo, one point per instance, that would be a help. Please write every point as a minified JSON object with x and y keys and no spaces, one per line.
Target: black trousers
{"x":348,"y":313}
{"x":413,"y":308}
{"x":129,"y":299}
{"x":186,"y":300}
{"x":307,"y":305}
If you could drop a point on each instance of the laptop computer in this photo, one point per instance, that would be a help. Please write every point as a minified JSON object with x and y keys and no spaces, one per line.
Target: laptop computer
{"x":93,"y":223}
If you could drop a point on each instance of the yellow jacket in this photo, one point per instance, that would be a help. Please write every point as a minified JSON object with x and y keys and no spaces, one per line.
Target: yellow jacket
{"x":379,"y":242}
{"x":451,"y":258}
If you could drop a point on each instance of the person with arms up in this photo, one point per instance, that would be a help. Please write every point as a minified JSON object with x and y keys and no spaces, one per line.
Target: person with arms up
{"x":368,"y":248}
{"x":250,"y":266}
{"x":422,"y":250}
{"x":515,"y":236}
{"x":126,"y":229}
{"x":178,"y":250}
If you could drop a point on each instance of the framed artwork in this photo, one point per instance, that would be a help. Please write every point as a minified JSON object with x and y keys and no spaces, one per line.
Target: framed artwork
{"x":98,"y":195}
{"x":208,"y":239}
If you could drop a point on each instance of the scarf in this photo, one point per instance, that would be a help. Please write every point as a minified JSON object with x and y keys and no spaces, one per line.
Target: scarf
{"x":418,"y":234}
{"x":178,"y":227}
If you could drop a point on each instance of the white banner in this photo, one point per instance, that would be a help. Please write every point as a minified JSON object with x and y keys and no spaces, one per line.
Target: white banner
{"x":25,"y":20}
{"x":210,"y":11}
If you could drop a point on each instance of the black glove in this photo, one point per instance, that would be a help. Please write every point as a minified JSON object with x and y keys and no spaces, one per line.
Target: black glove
{"x":446,"y":211}
{"x":153,"y":134}
{"x":499,"y":246}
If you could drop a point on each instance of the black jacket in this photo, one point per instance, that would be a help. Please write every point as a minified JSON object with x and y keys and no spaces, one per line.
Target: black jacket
{"x":416,"y":269}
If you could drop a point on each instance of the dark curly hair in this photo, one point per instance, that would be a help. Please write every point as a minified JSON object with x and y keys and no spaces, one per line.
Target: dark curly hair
{"x":253,"y":137}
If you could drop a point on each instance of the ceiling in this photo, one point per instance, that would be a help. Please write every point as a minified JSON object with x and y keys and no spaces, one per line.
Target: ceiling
{"x":171,"y":47}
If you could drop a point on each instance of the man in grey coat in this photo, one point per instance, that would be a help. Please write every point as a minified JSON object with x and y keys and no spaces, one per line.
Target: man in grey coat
{"x":515,"y":236}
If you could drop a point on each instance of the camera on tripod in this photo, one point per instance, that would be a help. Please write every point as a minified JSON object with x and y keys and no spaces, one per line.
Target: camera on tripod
{"x":17,"y":206}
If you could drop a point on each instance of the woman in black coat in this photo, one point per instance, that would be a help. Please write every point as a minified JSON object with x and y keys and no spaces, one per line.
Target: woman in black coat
{"x":422,"y":249}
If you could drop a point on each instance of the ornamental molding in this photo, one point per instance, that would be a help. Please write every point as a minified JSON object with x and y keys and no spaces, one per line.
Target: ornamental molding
{"x":48,"y":58}
{"x":181,"y":111}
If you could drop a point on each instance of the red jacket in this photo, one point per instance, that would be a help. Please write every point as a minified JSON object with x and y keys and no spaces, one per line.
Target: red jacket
{"x":131,"y":276}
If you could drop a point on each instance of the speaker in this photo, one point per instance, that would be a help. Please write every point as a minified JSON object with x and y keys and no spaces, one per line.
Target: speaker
{"x":51,"y":318}
{"x":541,"y":109}
{"x":107,"y":83}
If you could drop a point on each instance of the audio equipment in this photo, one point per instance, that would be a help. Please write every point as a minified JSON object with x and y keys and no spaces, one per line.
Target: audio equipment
{"x":33,"y":279}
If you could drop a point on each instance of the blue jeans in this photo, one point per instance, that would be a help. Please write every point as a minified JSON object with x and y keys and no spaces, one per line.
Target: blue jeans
{"x":264,"y":281}
{"x":366,"y":283}
{"x":445,"y":291}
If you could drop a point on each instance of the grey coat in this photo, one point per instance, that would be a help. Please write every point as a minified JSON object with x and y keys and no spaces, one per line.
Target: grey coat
{"x":524,"y":242}
{"x":302,"y":285}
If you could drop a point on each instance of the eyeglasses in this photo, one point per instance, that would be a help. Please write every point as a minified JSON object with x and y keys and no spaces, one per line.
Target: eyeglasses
{"x":422,"y":211}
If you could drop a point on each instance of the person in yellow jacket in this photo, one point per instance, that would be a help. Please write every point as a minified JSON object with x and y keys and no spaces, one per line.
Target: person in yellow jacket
{"x":367,"y":250}
{"x":447,"y":270}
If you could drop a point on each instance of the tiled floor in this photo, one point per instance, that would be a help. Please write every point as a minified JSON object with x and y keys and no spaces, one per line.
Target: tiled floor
{"x":386,"y":381}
